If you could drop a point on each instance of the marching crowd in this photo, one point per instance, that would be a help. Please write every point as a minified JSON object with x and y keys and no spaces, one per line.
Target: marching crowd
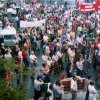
{"x":69,"y":41}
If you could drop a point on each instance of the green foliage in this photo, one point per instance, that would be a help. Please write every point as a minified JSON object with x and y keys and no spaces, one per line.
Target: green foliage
{"x":7,"y":63}
{"x":7,"y":89}
{"x":9,"y":92}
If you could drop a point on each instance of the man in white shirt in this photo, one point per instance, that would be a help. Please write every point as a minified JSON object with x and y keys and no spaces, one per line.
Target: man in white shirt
{"x":44,"y":57}
{"x":59,"y":54}
{"x":74,"y":88}
{"x":71,"y":54}
{"x":45,"y":39}
{"x":55,"y":58}
{"x":79,"y":39}
{"x":33,"y":59}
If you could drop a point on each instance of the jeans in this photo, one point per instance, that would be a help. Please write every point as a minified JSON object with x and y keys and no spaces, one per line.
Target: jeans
{"x":87,"y":95}
{"x":74,"y":95}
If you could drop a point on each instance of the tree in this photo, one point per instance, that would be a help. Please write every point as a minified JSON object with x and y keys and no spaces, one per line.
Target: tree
{"x":7,"y":74}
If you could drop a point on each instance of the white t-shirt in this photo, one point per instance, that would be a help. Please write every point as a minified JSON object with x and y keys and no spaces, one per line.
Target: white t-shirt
{"x":47,"y":49}
{"x":73,"y":85}
{"x":55,"y":58}
{"x":98,"y":31}
{"x":79,"y":40}
{"x":32,"y":58}
{"x":79,"y":64}
{"x":92,"y":92}
{"x":59,"y":54}
{"x":45,"y":38}
{"x":44,"y":58}
{"x":20,"y":54}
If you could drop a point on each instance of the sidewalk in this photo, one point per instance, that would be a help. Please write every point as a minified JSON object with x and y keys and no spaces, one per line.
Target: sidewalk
{"x":80,"y":96}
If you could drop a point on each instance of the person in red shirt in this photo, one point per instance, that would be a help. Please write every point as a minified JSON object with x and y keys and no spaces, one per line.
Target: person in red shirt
{"x":24,"y":54}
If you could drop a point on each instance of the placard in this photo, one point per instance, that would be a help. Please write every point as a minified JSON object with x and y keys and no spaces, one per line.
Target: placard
{"x":67,"y":84}
{"x":25,"y":24}
{"x":87,"y":7}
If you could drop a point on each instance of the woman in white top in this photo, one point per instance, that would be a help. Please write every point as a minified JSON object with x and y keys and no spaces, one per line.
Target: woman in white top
{"x":92,"y":91}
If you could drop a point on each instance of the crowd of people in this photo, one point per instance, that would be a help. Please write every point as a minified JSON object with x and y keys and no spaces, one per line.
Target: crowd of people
{"x":68,"y":40}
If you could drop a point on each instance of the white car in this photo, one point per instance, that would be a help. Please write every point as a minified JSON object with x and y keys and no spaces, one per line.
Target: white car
{"x":8,"y":35}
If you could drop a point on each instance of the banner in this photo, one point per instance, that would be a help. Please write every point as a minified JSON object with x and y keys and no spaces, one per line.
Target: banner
{"x":25,"y":24}
{"x":97,"y":6}
{"x":87,"y":7}
{"x":67,"y":84}
{"x":78,"y":2}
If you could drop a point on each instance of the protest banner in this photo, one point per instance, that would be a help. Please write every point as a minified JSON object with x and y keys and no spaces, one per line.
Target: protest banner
{"x":25,"y":24}
{"x":67,"y":84}
{"x":97,"y":5}
{"x":87,"y":7}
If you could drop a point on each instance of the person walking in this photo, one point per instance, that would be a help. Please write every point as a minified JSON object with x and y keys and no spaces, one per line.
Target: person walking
{"x":92,"y":91}
{"x":87,"y":82}
{"x":58,"y":90}
{"x":37,"y":88}
{"x":74,"y":88}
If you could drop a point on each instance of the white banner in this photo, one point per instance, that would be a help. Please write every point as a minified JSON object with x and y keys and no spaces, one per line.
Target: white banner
{"x":25,"y":24}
